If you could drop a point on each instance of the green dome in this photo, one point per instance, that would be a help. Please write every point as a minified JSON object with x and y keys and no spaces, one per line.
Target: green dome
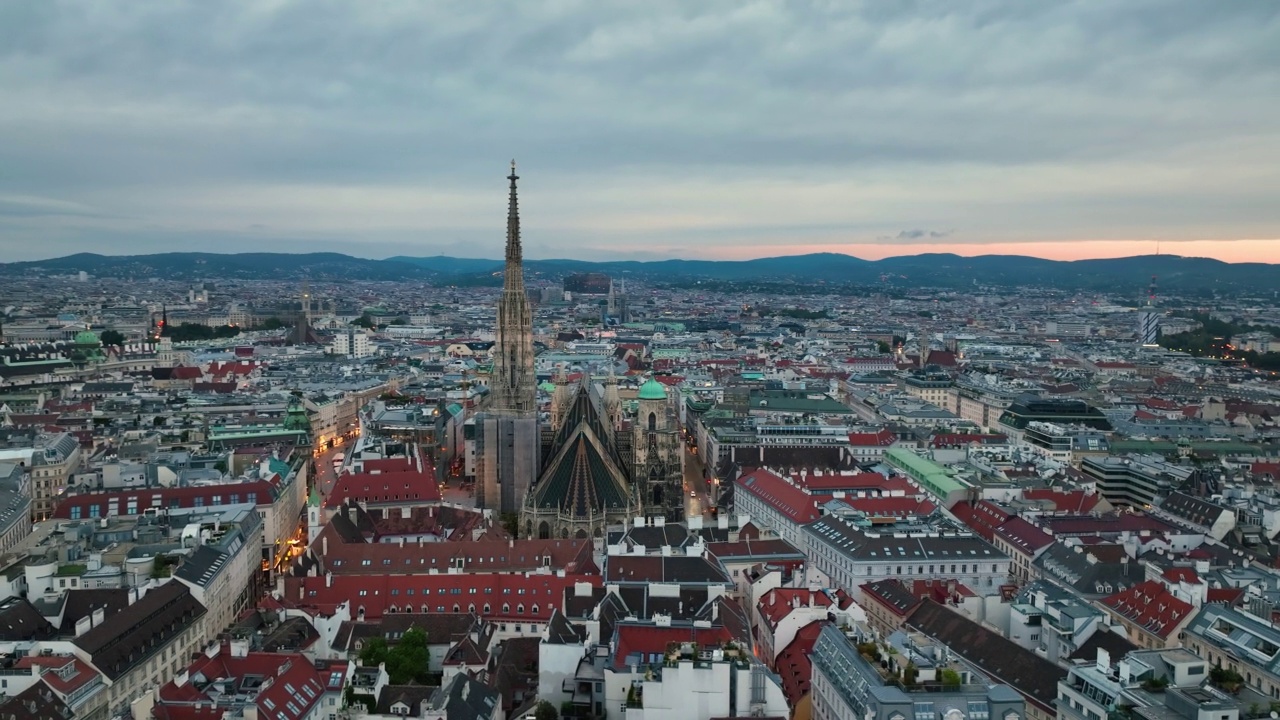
{"x":653,"y":390}
{"x":86,"y":337}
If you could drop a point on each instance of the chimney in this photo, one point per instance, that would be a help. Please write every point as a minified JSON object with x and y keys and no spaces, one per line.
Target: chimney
{"x":324,"y":545}
{"x":328,"y":579}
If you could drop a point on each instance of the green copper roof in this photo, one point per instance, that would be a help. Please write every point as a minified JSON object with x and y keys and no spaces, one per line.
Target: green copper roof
{"x":86,"y":337}
{"x":652,"y":390}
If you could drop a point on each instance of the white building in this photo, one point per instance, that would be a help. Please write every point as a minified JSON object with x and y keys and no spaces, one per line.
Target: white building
{"x":352,"y":342}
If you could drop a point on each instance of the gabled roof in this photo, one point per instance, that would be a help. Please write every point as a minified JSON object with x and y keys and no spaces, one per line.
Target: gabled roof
{"x":1023,"y":535}
{"x":402,"y":488}
{"x":136,"y":633}
{"x":1003,"y":660}
{"x":787,"y":499}
{"x":20,"y":621}
{"x":793,"y":664}
{"x":1152,"y":607}
{"x":982,"y":517}
{"x":1194,"y":510}
{"x":679,"y":569}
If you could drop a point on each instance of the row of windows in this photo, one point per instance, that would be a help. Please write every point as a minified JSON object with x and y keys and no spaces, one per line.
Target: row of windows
{"x":131,"y":508}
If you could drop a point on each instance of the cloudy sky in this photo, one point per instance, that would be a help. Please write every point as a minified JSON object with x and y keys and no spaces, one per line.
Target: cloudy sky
{"x":643,"y":129}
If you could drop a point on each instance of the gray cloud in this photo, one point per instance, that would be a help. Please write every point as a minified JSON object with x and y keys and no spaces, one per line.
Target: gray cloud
{"x":376,"y":127}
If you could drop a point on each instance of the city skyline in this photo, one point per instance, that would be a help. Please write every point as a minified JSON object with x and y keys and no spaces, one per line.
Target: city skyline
{"x":711,"y":132}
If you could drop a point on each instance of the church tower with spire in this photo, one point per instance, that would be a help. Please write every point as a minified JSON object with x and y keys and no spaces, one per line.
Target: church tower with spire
{"x":511,"y":381}
{"x":509,"y":439}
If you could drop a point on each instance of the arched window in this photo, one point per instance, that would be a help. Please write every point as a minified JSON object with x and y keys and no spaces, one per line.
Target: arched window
{"x":486,"y":609}
{"x":535,"y":609}
{"x":520,"y":609}
{"x":471,"y":608}
{"x":425,"y":609}
{"x":653,"y":422}
{"x":455,"y":607}
{"x":506,"y":609}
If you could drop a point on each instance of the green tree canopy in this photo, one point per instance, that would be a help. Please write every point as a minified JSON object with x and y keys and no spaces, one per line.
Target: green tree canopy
{"x":545,"y":711}
{"x":407,"y":661}
{"x":112,"y":337}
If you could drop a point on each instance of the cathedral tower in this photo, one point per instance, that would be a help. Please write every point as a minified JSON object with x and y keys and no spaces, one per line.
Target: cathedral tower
{"x":507,"y":453}
{"x":658,"y":475}
{"x":511,"y":381}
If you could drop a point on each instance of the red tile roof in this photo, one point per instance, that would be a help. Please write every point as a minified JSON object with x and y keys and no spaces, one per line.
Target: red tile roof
{"x":892,"y":507}
{"x":775,"y":605}
{"x":793,"y":664}
{"x":868,"y":483}
{"x":262,"y":492}
{"x":1074,"y":501}
{"x":884,"y":438}
{"x":80,"y":675}
{"x":376,"y":593}
{"x":394,"y":488}
{"x":1023,"y":535}
{"x":648,"y":640}
{"x":955,"y":439}
{"x":358,"y":558}
{"x":983,"y":517}
{"x":787,"y":499}
{"x":291,"y":687}
{"x":1181,"y":575}
{"x":1150,"y":605}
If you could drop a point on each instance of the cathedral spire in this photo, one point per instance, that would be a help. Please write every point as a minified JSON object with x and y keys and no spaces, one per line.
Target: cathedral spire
{"x":515,"y":254}
{"x":512,"y":380}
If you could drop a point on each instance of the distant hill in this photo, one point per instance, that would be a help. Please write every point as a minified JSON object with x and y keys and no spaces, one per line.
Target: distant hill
{"x":1176,"y":274}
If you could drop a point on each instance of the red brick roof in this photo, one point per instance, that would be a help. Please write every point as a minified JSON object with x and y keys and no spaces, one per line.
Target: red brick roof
{"x":1109,"y":523}
{"x":1150,"y":605}
{"x":486,"y":556}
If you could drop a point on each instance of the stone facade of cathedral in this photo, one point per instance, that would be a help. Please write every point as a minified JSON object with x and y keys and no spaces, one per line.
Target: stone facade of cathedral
{"x":603,"y":469}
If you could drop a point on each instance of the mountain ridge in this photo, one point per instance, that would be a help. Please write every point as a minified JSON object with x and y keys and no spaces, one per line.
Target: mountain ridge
{"x":940,"y":270}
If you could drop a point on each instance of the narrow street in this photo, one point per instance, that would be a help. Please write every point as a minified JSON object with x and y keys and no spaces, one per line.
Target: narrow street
{"x":698,"y":500}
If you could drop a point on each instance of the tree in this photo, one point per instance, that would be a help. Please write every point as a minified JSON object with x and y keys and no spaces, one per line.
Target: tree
{"x":112,"y":337}
{"x":273,"y":323}
{"x":950,"y":678}
{"x":883,"y":347}
{"x":365,"y":321}
{"x":511,"y":522}
{"x":545,"y":711}
{"x":408,"y":661}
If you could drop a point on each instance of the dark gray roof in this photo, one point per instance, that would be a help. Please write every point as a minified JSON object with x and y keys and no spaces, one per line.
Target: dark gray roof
{"x":19,"y":621}
{"x":562,"y":632}
{"x":853,"y":542}
{"x":994,"y":655}
{"x":141,"y":630}
{"x":1091,"y":578}
{"x":464,"y":699}
{"x":410,"y":695}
